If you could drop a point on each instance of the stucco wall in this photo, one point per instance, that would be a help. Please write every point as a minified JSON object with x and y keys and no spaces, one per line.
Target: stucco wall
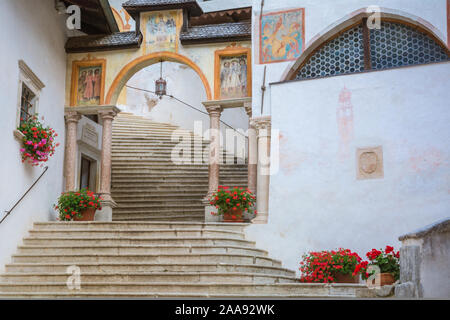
{"x":33,"y":32}
{"x":316,"y":201}
{"x":321,"y":14}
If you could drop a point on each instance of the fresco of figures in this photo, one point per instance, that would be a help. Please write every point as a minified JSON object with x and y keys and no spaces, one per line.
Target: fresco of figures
{"x":161,"y":32}
{"x":89,"y":85}
{"x":233,"y":77}
{"x":282,"y":37}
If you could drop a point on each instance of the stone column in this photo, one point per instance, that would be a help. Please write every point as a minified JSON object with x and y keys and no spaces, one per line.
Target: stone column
{"x":214,"y":148}
{"x":252,"y":150}
{"x":108,"y":203}
{"x":72,"y":118}
{"x":263,"y":126}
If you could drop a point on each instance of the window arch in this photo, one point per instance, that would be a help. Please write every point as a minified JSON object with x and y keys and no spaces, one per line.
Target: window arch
{"x":359,"y":49}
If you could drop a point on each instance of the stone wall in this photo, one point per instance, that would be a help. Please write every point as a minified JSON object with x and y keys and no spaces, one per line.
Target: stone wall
{"x":424,"y":262}
{"x":34,"y":33}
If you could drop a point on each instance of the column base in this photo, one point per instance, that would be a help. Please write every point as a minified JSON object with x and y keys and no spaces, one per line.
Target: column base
{"x":108,"y":204}
{"x":261,"y":218}
{"x":208,"y":209}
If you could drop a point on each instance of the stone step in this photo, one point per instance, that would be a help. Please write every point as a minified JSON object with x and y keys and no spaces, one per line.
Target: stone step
{"x":145,"y":267}
{"x":124,"y":249}
{"x":148,"y":258}
{"x":168,"y":214}
{"x":193,"y":289}
{"x":154,"y":216}
{"x":114,"y":241}
{"x":135,"y":233}
{"x":148,"y":277}
{"x":174,"y":168}
{"x":63,"y":225}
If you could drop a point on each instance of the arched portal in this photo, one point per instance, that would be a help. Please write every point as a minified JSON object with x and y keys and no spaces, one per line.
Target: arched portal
{"x":134,"y":66}
{"x":350,"y":46}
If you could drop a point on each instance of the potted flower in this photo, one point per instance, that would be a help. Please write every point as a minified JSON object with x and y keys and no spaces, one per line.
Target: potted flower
{"x":38,"y":141}
{"x":233,"y":202}
{"x":329,"y":266}
{"x":78,"y":205}
{"x":385,"y":263}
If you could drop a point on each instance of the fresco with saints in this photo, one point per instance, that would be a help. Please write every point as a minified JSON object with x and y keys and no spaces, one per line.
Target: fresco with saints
{"x":233,"y":77}
{"x":161,"y":31}
{"x":89,"y":85}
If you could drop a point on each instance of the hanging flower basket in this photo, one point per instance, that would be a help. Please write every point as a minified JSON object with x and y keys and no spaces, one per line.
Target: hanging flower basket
{"x":233,"y":202}
{"x":38,"y":141}
{"x":78,"y":205}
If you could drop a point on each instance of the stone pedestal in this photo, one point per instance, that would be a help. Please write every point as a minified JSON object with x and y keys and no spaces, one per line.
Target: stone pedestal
{"x":107,"y":209}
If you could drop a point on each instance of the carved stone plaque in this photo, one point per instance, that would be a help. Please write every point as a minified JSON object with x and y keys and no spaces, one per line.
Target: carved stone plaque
{"x":369,"y":163}
{"x":89,"y":135}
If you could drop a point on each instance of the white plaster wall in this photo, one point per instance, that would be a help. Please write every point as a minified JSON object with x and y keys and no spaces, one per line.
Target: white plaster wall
{"x":183,"y":83}
{"x":34,"y":32}
{"x":317,"y":203}
{"x":321,"y":14}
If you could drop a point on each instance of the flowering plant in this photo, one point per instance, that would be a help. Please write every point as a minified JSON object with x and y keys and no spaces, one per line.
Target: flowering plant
{"x":323,"y":266}
{"x":236,"y":200}
{"x":73,"y":203}
{"x":387,"y":261}
{"x":38,"y":142}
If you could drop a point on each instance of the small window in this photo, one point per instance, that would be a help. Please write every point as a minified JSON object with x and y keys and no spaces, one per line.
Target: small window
{"x":28,"y":96}
{"x":27,"y":104}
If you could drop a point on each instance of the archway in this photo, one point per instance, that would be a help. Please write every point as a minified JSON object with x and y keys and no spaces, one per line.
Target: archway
{"x":347,"y":25}
{"x":134,"y":66}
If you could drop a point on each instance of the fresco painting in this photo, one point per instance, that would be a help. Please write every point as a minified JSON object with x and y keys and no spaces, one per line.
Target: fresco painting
{"x":89,"y":85}
{"x":161,"y":32}
{"x":282,"y":36}
{"x":233,"y":77}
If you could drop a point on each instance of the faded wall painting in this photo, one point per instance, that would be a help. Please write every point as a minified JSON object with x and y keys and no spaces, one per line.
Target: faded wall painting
{"x":232,"y":73}
{"x":233,"y":77}
{"x":282,"y":35}
{"x":161,"y":31}
{"x":88,"y":83}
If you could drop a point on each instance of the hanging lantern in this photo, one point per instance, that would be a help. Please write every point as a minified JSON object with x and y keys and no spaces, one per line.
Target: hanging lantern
{"x":160,"y":85}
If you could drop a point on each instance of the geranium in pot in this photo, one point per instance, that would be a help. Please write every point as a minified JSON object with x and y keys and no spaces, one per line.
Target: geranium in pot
{"x":329,"y":266}
{"x":38,"y":141}
{"x":383,"y":267}
{"x":78,"y":205}
{"x":233,"y":202}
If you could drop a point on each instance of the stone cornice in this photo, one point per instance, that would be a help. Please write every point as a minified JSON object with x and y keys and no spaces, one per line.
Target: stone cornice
{"x":93,"y":110}
{"x":229,"y":103}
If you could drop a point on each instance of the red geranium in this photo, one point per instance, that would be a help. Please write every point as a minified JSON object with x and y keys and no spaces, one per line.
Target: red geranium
{"x":387,"y":262}
{"x":323,"y":266}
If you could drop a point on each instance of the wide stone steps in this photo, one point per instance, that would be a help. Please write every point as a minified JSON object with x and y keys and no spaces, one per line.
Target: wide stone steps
{"x":152,"y":259}
{"x":160,"y":172}
{"x":34,"y":268}
{"x":184,"y":290}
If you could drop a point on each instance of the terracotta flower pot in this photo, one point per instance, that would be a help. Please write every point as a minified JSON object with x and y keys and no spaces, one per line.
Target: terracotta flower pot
{"x":233,"y":216}
{"x":346,"y":278}
{"x":87,"y":215}
{"x":386,"y":279}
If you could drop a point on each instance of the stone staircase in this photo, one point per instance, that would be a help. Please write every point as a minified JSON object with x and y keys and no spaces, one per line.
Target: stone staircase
{"x":148,"y":186}
{"x":153,"y":259}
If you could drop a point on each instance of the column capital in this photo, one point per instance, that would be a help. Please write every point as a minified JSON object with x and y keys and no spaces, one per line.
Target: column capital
{"x":261,"y":123}
{"x":72,"y":116}
{"x":107,"y":114}
{"x":214,"y":110}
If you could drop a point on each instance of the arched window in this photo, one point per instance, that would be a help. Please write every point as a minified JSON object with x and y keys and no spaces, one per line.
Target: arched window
{"x":361,"y":49}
